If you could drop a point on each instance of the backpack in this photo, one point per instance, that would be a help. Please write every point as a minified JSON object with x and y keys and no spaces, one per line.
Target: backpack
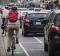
{"x":13,"y":16}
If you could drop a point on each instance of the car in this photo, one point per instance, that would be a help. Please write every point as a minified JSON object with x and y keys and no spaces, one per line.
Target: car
{"x":44,"y":10}
{"x":34,"y":22}
{"x":22,"y":9}
{"x":52,"y":33}
{"x":31,"y":9}
{"x":22,"y":14}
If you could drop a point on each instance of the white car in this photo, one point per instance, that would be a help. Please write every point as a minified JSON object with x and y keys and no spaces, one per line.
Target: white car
{"x":22,"y":9}
{"x":46,"y":11}
{"x":22,"y":15}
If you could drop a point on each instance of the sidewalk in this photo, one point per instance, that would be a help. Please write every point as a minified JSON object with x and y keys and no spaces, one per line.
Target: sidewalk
{"x":2,"y":45}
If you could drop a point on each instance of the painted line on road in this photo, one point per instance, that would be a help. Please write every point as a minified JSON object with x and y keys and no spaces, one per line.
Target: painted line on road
{"x":29,"y":42}
{"x":35,"y":49}
{"x":24,"y":49}
{"x":38,"y":40}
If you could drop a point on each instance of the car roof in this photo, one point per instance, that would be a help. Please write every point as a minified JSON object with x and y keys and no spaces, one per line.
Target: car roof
{"x":36,"y":12}
{"x":46,"y":10}
{"x":38,"y":8}
{"x":22,"y":9}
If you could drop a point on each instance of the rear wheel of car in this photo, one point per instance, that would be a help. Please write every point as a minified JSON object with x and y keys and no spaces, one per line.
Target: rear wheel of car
{"x":45,"y":47}
{"x":51,"y":49}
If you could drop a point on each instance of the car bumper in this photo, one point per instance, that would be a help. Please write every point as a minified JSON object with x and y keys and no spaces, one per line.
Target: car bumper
{"x":34,"y":29}
{"x":56,"y":40}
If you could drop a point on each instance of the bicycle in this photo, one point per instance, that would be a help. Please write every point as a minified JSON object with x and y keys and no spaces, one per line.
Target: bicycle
{"x":13,"y":42}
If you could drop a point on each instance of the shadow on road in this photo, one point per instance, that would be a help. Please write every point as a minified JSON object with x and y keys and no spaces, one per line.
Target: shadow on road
{"x":36,"y":35}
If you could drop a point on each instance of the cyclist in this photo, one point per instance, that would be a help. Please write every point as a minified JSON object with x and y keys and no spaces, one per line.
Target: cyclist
{"x":12,"y":21}
{"x":4,"y":13}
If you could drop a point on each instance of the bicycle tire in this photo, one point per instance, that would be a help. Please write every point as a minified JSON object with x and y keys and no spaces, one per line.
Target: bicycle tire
{"x":13,"y":45}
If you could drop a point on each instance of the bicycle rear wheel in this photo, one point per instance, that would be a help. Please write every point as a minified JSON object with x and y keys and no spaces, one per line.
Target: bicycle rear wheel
{"x":13,"y":45}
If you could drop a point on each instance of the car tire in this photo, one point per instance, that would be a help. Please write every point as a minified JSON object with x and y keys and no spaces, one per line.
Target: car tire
{"x":51,"y":49}
{"x":45,"y":47}
{"x":24,"y":33}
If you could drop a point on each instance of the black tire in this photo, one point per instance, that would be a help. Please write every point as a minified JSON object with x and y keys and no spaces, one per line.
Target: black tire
{"x":51,"y":49}
{"x":13,"y":45}
{"x":24,"y":33}
{"x":45,"y":47}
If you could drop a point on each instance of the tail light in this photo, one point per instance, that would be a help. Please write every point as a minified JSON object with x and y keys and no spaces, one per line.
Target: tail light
{"x":27,"y":21}
{"x":54,"y":28}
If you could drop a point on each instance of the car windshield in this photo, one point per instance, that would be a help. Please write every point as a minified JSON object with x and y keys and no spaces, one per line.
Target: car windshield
{"x":37,"y":16}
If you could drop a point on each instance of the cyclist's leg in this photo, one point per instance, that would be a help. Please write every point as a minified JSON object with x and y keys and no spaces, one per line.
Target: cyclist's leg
{"x":17,"y":33}
{"x":9,"y":38}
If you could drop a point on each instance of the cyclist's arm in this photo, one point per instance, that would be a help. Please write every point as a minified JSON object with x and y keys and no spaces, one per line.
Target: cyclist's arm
{"x":19,"y":18}
{"x":6,"y":21}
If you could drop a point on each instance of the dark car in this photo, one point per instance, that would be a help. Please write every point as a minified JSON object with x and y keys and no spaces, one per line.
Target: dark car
{"x":34,"y":22}
{"x":52,"y":33}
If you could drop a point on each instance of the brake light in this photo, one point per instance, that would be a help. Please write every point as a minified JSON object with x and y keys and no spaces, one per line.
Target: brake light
{"x":27,"y":21}
{"x":54,"y":28}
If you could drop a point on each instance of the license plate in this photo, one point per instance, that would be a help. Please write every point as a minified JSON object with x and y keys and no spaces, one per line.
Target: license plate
{"x":38,"y":23}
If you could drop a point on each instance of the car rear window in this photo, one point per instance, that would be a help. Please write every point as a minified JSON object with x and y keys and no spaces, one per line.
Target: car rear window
{"x":57,"y":21}
{"x":58,"y":17}
{"x":37,"y":15}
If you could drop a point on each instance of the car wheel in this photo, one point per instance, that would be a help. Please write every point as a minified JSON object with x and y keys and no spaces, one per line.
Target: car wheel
{"x":51,"y":49}
{"x":45,"y":47}
{"x":24,"y":33}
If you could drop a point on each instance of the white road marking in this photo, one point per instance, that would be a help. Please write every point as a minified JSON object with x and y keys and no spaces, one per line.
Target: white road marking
{"x":24,"y":49}
{"x":29,"y":42}
{"x":38,"y":40}
{"x":35,"y":49}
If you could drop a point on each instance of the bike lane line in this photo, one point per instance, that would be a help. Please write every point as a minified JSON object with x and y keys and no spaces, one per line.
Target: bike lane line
{"x":24,"y":49}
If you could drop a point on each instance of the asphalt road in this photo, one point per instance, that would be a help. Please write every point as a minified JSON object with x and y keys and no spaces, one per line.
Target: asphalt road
{"x":31,"y":45}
